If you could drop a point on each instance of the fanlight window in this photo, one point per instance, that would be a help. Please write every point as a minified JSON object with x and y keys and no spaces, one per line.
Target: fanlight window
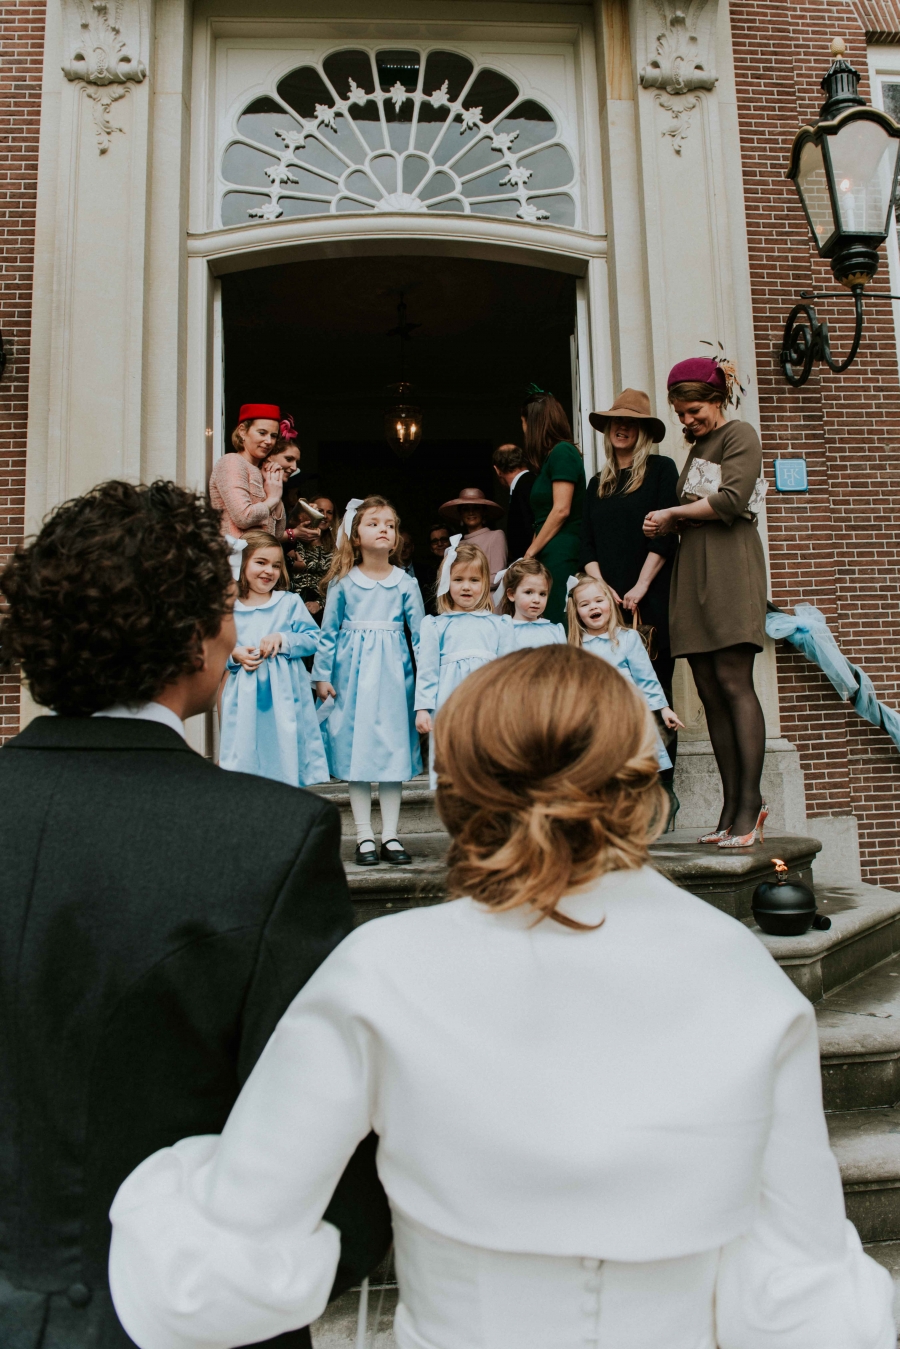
{"x":397,"y":131}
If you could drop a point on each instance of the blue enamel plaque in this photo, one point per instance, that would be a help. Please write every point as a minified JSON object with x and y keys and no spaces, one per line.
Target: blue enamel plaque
{"x":790,"y":475}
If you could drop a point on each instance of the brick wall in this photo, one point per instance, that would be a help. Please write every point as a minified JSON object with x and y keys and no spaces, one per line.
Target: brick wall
{"x":836,"y":548}
{"x":21,"y":55}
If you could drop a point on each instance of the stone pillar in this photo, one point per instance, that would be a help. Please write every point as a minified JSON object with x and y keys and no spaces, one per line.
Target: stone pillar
{"x":108,"y":288}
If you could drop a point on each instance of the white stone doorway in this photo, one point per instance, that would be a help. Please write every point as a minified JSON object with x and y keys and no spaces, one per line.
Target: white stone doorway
{"x":315,"y":336}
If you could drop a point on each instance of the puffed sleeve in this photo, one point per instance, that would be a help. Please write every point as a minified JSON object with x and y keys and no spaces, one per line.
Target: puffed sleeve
{"x":741,"y":466}
{"x":219,"y":1241}
{"x":302,"y":637}
{"x":559,"y":634}
{"x":665,"y":497}
{"x":414,"y":611}
{"x":642,"y":671}
{"x":799,"y":1279}
{"x":506,"y":638}
{"x":428,"y":665}
{"x":332,"y":619}
{"x":232,"y":478}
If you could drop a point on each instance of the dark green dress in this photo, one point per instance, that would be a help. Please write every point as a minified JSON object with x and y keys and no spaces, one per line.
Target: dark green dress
{"x":563,"y":464}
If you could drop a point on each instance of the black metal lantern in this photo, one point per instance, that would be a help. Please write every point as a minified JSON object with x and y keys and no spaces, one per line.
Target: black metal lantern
{"x":403,"y":419}
{"x":844,"y":168}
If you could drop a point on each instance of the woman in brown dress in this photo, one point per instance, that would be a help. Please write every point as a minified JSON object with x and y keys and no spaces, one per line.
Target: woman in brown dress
{"x":717,"y":605}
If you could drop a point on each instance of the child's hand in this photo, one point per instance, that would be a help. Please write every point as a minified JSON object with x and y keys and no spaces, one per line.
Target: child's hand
{"x":270,"y":646}
{"x":424,"y":724}
{"x":324,"y":690}
{"x":247,"y":656}
{"x":671,"y":719}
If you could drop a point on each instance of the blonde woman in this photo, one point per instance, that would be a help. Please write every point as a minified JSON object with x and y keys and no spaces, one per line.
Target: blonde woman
{"x":597,"y":1098}
{"x":246,"y":484}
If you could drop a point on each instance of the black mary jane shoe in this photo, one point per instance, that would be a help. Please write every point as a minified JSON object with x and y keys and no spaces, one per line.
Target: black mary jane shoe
{"x":398,"y":857}
{"x":366,"y":857}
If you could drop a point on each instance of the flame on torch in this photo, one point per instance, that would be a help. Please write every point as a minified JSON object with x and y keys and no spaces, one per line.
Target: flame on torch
{"x":780,"y":867}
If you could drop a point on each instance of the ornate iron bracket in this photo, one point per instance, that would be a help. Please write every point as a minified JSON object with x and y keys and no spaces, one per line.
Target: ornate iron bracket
{"x":805,"y":343}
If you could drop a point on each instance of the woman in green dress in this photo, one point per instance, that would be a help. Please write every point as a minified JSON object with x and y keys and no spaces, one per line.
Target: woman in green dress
{"x":557,"y":497}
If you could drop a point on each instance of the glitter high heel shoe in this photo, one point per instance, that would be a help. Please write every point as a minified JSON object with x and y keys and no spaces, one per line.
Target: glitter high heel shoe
{"x":755,"y":836}
{"x":715,"y":836}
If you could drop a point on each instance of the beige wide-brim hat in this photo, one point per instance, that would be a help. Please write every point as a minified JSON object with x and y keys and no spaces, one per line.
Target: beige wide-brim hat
{"x":633,"y":403}
{"x":469,"y":496}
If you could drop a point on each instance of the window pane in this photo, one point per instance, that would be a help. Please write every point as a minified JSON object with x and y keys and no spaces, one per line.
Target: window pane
{"x":533,"y":124}
{"x":242,"y":164}
{"x":449,"y":66}
{"x":342,"y":67}
{"x":863,"y":155}
{"x":561,"y":209}
{"x":414,"y":170}
{"x":292,"y":207}
{"x":491,"y":92}
{"x":303,"y":89}
{"x":259,"y":121}
{"x":890,"y":94}
{"x":236,"y":207}
{"x":813,"y":186}
{"x":437,"y":186}
{"x":398,"y":67}
{"x":549,"y":168}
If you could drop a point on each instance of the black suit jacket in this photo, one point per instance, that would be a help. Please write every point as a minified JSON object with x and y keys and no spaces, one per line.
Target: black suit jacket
{"x":519,"y":519}
{"x":157,"y":916}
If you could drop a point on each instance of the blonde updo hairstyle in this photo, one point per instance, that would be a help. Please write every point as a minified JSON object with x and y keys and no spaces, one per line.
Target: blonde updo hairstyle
{"x":347,"y":553}
{"x":515,"y":575}
{"x":573,"y":622}
{"x":467,"y":553}
{"x":547,"y":779}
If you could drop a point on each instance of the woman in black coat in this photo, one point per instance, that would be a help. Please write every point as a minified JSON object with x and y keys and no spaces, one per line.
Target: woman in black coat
{"x":632,"y":482}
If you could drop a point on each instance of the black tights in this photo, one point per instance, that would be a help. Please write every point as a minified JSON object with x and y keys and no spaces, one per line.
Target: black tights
{"x":737,"y":729}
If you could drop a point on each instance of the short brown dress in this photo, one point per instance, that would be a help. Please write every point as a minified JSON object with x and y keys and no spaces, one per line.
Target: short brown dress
{"x":718,"y":595}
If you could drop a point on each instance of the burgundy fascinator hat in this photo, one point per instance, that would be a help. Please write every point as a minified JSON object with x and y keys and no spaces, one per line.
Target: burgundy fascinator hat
{"x":717,"y":371}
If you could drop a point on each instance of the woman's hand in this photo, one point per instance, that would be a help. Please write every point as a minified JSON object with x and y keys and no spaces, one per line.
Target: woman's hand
{"x":660,"y":522}
{"x":424,"y":724}
{"x":306,"y":534}
{"x":273,"y":481}
{"x":671,"y":720}
{"x":324,"y":690}
{"x":632,"y":598}
{"x":270,"y":646}
{"x":247,"y":656}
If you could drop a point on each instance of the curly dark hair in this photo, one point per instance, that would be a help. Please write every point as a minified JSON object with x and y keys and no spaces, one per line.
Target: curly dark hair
{"x":114,"y":597}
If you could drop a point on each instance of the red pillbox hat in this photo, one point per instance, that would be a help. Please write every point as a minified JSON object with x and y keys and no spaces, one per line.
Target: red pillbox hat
{"x":251,"y":410}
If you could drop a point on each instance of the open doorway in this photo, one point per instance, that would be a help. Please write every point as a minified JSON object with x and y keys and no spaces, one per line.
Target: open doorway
{"x":313,"y":337}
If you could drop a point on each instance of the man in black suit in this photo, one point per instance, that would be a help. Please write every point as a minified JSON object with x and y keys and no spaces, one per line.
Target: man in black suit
{"x":512,"y":469}
{"x":157,"y":914}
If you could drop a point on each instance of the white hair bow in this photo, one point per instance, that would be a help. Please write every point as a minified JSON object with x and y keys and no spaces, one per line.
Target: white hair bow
{"x":447,"y":564}
{"x":236,"y":547}
{"x":353,"y":506}
{"x":572,"y":582}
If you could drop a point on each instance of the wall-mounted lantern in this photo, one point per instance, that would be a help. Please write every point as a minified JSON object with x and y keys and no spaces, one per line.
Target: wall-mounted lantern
{"x":844,"y":168}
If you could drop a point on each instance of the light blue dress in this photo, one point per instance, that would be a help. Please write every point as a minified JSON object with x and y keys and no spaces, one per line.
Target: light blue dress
{"x":370,"y":734}
{"x":629,"y":655}
{"x":537,"y":632}
{"x":451,"y":647}
{"x":269,"y":724}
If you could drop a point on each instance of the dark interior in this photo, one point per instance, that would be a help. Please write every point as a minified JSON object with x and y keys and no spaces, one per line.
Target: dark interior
{"x":314,"y":337}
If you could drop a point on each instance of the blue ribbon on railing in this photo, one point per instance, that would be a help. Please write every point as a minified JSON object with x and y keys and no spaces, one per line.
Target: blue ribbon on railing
{"x":806,"y":629}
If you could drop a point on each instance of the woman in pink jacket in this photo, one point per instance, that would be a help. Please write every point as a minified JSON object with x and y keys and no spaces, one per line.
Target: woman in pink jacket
{"x":243,"y":485}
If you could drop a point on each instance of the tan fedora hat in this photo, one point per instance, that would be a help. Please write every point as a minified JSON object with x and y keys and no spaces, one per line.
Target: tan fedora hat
{"x":469,"y":496}
{"x":633,"y":403}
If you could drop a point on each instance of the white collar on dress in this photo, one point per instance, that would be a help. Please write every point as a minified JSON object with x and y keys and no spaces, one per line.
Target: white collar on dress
{"x":146,"y":712}
{"x":273,"y":599}
{"x":367,"y":583}
{"x":530,"y":622}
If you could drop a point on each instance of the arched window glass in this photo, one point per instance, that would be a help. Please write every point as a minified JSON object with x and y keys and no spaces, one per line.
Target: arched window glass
{"x":397,"y":130}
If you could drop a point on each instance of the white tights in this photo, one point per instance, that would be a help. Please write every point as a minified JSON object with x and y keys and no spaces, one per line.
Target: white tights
{"x":389,"y":794}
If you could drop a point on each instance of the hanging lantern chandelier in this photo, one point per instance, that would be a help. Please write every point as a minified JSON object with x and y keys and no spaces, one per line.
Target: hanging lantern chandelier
{"x":403,"y":419}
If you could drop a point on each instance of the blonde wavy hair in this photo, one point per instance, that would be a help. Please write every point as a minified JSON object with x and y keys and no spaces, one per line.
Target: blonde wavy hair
{"x":609,"y":473}
{"x":575,"y":627}
{"x":547,"y":779}
{"x":256,"y":539}
{"x":515,"y":575}
{"x":468,"y":552}
{"x":347,"y":553}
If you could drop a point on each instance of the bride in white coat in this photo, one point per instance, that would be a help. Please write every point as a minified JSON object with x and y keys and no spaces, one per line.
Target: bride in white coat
{"x":597,"y":1098}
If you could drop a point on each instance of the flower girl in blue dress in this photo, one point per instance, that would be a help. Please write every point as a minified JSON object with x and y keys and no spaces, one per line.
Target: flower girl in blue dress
{"x":268,"y":720}
{"x":595,"y":623}
{"x":526,"y":588}
{"x":464,"y":635}
{"x":363,"y":664}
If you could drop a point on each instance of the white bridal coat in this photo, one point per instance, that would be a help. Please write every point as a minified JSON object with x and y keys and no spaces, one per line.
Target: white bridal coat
{"x":590,"y":1140}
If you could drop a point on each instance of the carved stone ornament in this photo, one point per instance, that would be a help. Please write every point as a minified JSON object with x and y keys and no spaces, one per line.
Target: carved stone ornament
{"x":104,"y":63}
{"x":680,"y":64}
